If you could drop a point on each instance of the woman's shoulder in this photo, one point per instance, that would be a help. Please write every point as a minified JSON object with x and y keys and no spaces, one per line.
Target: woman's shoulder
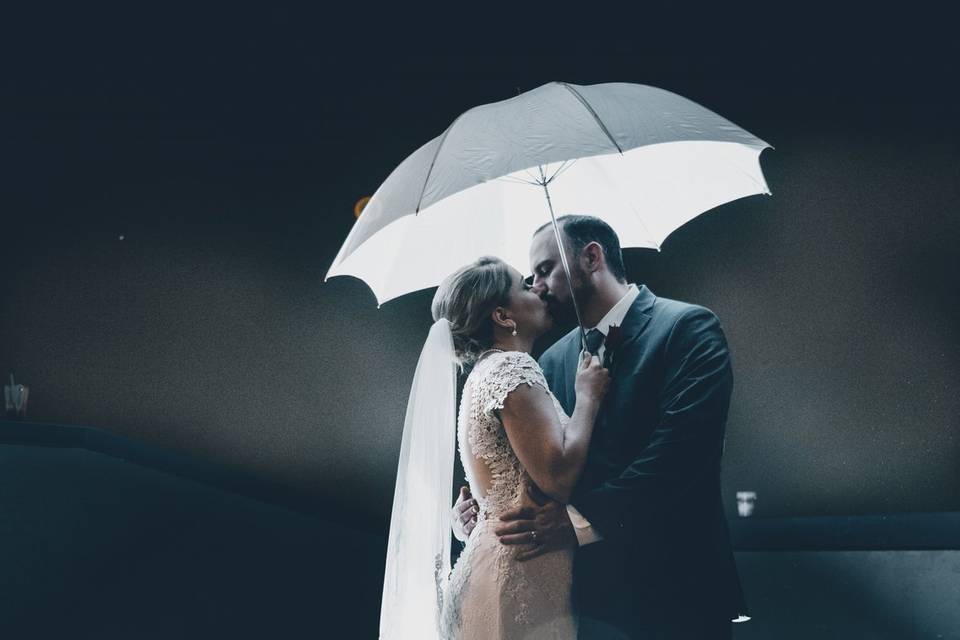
{"x":501,"y":361}
{"x":498,"y":374}
{"x":508,"y":369}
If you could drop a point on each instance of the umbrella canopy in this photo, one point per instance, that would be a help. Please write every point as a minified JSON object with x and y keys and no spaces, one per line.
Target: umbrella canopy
{"x":643,"y":159}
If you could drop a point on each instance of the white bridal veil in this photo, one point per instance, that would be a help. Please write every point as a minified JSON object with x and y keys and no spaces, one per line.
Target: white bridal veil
{"x":418,"y":547}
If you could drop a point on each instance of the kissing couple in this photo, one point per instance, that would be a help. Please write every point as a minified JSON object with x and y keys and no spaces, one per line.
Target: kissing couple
{"x":593,"y":509}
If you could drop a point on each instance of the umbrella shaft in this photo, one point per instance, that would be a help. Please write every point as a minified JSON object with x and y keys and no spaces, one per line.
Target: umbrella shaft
{"x":566,"y":268}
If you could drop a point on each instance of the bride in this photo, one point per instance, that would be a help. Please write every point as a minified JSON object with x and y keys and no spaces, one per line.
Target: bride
{"x":514,"y":440}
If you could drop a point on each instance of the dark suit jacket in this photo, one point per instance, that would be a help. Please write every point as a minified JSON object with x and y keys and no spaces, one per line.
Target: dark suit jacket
{"x":651,"y":484}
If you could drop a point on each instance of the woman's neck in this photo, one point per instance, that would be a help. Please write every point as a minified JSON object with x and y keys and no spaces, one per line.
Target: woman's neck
{"x":513,"y":343}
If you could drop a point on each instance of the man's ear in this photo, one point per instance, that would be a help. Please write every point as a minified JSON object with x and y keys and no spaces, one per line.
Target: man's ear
{"x":591,"y":258}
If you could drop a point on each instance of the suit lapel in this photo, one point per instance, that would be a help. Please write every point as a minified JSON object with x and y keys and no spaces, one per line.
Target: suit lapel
{"x":637,"y":317}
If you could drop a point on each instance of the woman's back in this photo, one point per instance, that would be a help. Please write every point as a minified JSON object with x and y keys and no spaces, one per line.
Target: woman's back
{"x":490,"y":594}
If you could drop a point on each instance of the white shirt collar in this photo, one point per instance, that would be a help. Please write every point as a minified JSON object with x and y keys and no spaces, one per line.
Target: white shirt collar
{"x":619,"y":311}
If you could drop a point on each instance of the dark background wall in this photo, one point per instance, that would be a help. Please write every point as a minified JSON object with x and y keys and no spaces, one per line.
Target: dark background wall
{"x":228,"y":149}
{"x":103,"y":537}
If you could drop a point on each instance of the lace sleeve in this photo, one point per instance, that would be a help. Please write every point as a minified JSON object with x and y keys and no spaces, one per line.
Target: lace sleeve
{"x":513,"y":369}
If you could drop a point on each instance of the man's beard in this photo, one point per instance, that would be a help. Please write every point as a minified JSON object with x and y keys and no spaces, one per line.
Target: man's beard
{"x":563,"y":312}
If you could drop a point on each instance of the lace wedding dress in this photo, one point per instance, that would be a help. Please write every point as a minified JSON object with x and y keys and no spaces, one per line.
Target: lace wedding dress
{"x":490,"y":595}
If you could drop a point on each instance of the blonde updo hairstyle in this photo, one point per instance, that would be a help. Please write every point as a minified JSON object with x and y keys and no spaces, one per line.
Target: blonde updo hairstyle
{"x":467,"y":298}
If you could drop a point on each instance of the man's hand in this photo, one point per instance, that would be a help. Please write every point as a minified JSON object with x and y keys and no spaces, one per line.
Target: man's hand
{"x":464,"y":514}
{"x":541,"y":523}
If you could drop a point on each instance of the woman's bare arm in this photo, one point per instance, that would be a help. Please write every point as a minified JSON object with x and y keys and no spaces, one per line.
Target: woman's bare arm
{"x":553,"y":457}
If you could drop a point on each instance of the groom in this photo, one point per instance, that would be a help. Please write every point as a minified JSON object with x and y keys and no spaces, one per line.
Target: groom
{"x":654,"y":557}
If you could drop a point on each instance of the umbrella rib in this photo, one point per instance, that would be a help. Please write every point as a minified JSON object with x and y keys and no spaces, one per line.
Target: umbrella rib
{"x":593,"y":113}
{"x":433,"y":161}
{"x":516,"y":180}
{"x":555,"y":173}
{"x":563,"y":167}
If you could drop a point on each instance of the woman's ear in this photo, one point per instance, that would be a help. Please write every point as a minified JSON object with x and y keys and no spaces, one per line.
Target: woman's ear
{"x":501,"y":317}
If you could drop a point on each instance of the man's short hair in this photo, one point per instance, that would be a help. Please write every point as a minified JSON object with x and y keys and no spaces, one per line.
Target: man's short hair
{"x":581,"y":230}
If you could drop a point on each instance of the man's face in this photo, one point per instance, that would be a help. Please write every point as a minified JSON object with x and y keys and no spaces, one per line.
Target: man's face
{"x":549,"y":280}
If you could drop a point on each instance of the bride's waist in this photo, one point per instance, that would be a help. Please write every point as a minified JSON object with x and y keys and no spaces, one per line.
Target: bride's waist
{"x":493,"y":512}
{"x":484,"y":542}
{"x":494,"y":505}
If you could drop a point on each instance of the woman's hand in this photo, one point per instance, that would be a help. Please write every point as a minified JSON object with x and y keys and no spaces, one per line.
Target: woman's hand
{"x":592,"y":379}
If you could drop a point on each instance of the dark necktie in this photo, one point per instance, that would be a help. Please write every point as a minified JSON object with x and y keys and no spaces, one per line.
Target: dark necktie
{"x":594,"y":340}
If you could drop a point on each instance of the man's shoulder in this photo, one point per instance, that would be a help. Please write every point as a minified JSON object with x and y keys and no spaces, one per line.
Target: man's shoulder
{"x":672,"y":318}
{"x":669,"y":310}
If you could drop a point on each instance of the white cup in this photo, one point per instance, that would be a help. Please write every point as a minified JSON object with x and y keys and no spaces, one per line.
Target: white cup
{"x":746,"y":501}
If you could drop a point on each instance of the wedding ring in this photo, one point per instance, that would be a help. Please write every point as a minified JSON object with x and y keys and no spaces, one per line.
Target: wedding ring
{"x":533,"y":536}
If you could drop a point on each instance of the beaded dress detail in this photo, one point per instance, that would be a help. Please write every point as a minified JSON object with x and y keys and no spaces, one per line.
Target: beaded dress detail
{"x":490,"y":595}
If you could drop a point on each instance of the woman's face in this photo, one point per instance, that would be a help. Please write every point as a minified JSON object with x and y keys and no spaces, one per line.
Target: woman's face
{"x":527,"y":309}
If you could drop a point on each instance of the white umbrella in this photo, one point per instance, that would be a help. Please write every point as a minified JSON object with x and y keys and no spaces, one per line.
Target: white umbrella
{"x":643,"y":159}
